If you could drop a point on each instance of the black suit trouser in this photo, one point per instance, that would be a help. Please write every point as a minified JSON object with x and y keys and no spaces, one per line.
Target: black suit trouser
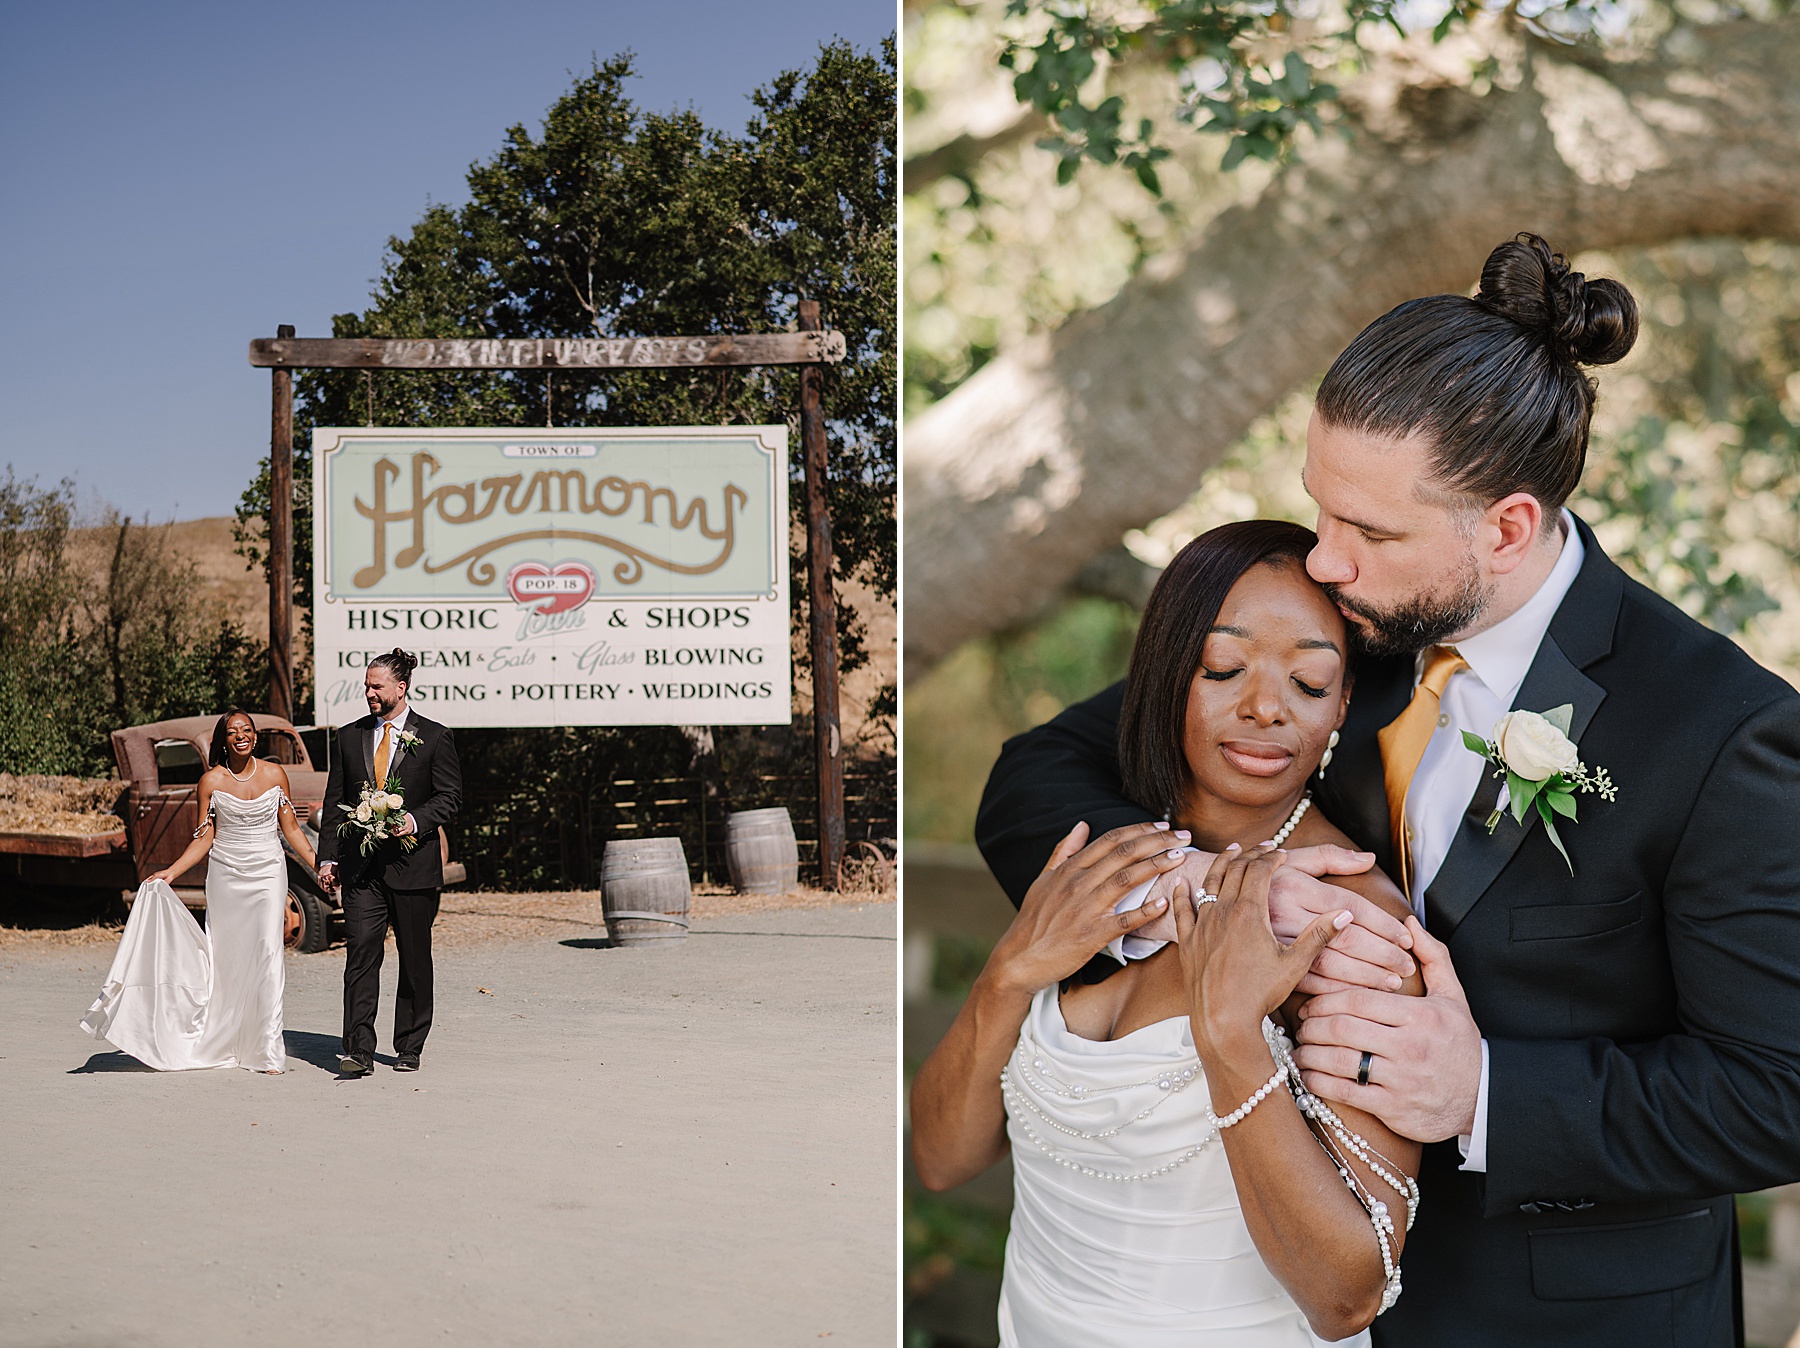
{"x":370,"y":907}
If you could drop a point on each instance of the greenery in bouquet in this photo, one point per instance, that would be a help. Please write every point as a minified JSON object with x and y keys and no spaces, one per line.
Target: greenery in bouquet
{"x":375,"y":815}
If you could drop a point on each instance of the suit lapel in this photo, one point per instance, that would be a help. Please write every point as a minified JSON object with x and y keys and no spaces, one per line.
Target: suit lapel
{"x":404,"y":759}
{"x":1580,"y":634}
{"x":365,"y":732}
{"x":1477,"y":856}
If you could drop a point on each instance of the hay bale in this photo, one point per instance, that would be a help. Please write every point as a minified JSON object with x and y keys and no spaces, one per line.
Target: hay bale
{"x":78,"y":805}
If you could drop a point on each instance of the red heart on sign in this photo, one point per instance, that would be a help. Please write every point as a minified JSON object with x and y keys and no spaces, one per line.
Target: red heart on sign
{"x":567,"y":586}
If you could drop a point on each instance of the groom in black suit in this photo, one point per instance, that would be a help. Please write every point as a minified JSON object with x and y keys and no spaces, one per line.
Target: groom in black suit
{"x":1602,"y":1058}
{"x":392,"y":884}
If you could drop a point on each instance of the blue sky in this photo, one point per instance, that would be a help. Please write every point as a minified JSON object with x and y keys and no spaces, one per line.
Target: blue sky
{"x":181,"y":177}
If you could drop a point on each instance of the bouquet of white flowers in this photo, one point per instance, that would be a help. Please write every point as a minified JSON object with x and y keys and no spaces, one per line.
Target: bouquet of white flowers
{"x":376,"y":814}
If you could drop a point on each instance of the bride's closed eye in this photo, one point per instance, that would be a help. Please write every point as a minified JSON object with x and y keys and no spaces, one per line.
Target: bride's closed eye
{"x":1220,"y":675}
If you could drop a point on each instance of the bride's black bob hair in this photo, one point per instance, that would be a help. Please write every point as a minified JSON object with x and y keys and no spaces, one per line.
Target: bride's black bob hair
{"x":1170,"y":639}
{"x":216,"y":755}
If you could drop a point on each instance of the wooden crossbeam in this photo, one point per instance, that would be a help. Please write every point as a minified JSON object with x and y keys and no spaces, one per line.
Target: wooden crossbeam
{"x":546,"y":353}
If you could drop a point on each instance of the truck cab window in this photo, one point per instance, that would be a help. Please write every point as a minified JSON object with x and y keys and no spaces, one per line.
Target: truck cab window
{"x":178,"y":763}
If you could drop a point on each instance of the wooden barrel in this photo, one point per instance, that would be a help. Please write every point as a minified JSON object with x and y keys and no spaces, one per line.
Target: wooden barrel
{"x":760,"y":851}
{"x":644,"y":891}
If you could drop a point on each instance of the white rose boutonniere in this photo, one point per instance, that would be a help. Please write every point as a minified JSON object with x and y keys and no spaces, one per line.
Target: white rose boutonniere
{"x":1542,"y":767}
{"x":407,"y":740}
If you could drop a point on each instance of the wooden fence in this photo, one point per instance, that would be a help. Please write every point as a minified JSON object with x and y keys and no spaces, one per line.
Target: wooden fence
{"x":554,"y":839}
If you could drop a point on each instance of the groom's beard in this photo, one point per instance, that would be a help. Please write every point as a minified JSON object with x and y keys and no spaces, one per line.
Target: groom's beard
{"x":1420,"y":622}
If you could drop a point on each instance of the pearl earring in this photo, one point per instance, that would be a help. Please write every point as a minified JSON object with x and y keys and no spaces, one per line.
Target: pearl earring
{"x":1325,"y":759}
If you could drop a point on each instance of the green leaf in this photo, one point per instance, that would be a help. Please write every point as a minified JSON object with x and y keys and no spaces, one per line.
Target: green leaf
{"x":1550,"y":828}
{"x":1299,"y":78}
{"x":1560,"y":717}
{"x":1563,"y":802}
{"x":1147,"y":176}
{"x":1065,"y":171}
{"x":1234,"y":154}
{"x":1475,"y":744}
{"x":1520,"y":793}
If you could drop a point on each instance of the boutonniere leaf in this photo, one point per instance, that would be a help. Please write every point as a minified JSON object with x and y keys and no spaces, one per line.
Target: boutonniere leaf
{"x":1542,"y":767}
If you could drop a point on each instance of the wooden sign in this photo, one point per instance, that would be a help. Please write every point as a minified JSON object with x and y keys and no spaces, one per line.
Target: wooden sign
{"x":546,"y":353}
{"x":809,"y":348}
{"x":614,"y":575}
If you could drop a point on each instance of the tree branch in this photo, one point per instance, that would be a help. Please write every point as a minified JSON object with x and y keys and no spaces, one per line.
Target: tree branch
{"x":1049,"y":453}
{"x":959,"y":154}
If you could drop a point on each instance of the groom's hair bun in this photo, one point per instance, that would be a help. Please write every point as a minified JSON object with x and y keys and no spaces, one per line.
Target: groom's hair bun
{"x":1492,"y":383}
{"x":1586,"y":322}
{"x":397,"y":663}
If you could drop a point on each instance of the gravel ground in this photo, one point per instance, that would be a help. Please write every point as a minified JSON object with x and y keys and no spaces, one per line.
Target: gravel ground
{"x":469,"y":917}
{"x":687,"y":1145}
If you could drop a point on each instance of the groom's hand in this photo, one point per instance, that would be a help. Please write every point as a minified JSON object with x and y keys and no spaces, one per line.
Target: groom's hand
{"x":1370,"y":953}
{"x":1425,"y":1052}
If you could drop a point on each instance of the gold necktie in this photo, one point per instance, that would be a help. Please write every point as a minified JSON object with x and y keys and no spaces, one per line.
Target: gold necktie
{"x":1403,"y":743}
{"x":381,"y":756}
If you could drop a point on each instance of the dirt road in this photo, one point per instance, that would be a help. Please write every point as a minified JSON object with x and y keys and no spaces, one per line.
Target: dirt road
{"x":606,"y":1146}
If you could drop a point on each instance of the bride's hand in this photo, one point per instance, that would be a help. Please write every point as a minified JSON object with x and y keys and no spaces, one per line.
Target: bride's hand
{"x":1067,"y":915}
{"x":167,"y":877}
{"x":1235,"y":970}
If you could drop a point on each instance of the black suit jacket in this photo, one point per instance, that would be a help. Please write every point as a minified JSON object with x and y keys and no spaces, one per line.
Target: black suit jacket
{"x":1642,"y":1017}
{"x":431,"y":784}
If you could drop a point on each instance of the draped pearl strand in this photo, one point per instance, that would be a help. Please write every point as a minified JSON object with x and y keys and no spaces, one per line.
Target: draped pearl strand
{"x":1339,"y":1141}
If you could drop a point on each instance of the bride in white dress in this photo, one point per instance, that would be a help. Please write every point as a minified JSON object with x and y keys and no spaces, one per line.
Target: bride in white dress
{"x":1174,"y":1182}
{"x":180,"y":997}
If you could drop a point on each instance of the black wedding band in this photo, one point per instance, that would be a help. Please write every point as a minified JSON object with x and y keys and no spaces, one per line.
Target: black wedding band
{"x":1362,"y":1068}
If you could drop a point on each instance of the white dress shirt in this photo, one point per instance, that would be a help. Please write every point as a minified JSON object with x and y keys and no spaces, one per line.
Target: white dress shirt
{"x":1449,"y":774}
{"x":395,"y":725}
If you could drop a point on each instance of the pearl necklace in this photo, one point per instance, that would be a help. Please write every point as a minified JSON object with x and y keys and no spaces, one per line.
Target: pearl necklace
{"x":248,"y":775}
{"x":1293,"y":820}
{"x":1282,"y":834}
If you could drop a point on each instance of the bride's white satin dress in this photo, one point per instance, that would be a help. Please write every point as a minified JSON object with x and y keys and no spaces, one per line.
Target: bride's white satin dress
{"x":1095,"y":1260}
{"x":180,"y":997}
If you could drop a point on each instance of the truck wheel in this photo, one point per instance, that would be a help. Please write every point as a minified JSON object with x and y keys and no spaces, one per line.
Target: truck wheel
{"x":308,"y":927}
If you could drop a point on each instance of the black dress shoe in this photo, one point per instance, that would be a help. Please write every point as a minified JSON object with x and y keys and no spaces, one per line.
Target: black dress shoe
{"x":406,"y":1062}
{"x":355,"y":1065}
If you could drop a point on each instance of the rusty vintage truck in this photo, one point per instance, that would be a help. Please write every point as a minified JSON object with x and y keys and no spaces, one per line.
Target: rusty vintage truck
{"x":162,"y":764}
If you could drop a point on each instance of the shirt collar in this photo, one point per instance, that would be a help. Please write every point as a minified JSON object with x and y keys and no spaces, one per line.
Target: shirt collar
{"x":399,"y":722}
{"x":1501,"y":655}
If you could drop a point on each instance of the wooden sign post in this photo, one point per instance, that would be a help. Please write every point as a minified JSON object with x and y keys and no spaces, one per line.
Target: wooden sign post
{"x":810,"y":348}
{"x":281,"y":542}
{"x":822,"y":606}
